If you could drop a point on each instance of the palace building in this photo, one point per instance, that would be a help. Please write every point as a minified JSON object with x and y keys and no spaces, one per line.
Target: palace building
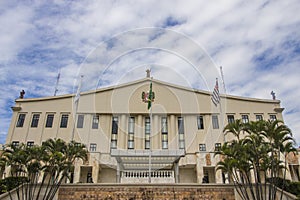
{"x":171,"y":142}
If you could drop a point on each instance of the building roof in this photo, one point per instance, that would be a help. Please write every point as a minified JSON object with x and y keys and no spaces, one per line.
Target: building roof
{"x":147,"y":80}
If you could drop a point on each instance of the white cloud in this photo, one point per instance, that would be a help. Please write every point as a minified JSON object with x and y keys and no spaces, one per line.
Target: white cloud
{"x":256,"y":42}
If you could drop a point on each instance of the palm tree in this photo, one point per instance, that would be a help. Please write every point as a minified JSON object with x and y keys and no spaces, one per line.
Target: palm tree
{"x":52,"y":162}
{"x":258,"y":151}
{"x":236,"y":128}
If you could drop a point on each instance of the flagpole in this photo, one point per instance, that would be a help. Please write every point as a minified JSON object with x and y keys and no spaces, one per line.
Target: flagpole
{"x":76,"y":102}
{"x":150,"y":143}
{"x":57,"y":81}
{"x":224,"y":88}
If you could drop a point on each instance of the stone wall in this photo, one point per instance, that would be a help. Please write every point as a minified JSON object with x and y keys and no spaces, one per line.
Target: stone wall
{"x":145,"y":192}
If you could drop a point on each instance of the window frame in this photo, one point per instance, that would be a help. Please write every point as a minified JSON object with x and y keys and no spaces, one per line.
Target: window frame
{"x":131,"y":127}
{"x":245,"y":118}
{"x":21,"y":120}
{"x":259,"y":117}
{"x":114,"y":132}
{"x":64,"y":121}
{"x":93,"y":147}
{"x":218,"y":146}
{"x":49,"y":120}
{"x":15,"y":143}
{"x":30,"y":144}
{"x":230,"y":119}
{"x":95,"y":121}
{"x":273,"y":117}
{"x":200,"y":122}
{"x":202,"y":147}
{"x":80,"y":121}
{"x":215,"y":122}
{"x":164,"y":133}
{"x":35,"y":120}
{"x":181,"y":142}
{"x":147,"y":132}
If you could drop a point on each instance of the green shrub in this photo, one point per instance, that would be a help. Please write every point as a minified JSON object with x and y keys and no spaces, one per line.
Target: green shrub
{"x":10,"y":183}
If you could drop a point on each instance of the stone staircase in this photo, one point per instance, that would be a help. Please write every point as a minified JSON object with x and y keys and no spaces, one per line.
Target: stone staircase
{"x":146,"y":192}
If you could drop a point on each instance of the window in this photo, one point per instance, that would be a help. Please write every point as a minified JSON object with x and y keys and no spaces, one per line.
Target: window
{"x":15,"y":143}
{"x":30,"y":144}
{"x":245,"y":119}
{"x":164,"y":132}
{"x":35,"y":120}
{"x":80,"y":120}
{"x":200,"y":122}
{"x":147,"y":133}
{"x":181,"y":133}
{"x":49,"y":121}
{"x":64,"y":121}
{"x":21,"y":120}
{"x":215,"y":122}
{"x":273,"y":117}
{"x":131,"y":124}
{"x":230,"y":119}
{"x":202,"y":147}
{"x":218,"y":146}
{"x":114,"y":133}
{"x":95,"y":122}
{"x":259,"y":117}
{"x":93,"y":147}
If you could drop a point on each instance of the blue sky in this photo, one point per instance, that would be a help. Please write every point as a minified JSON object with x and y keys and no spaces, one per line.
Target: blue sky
{"x":257,"y":43}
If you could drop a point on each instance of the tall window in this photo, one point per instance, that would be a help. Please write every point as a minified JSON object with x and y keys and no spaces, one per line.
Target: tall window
{"x":114,"y":133}
{"x":93,"y":147}
{"x":215,"y":122}
{"x":131,"y":124}
{"x":259,"y":117}
{"x":80,"y":120}
{"x":35,"y":120}
{"x":164,"y":132}
{"x":95,"y":122}
{"x":49,"y":121}
{"x":147,"y":133}
{"x":202,"y":147}
{"x":273,"y":117}
{"x":230,"y":119}
{"x":181,"y":133}
{"x":64,"y":121}
{"x":245,"y":119}
{"x":30,"y":144}
{"x":21,"y":120}
{"x":218,"y":146}
{"x":200,"y":122}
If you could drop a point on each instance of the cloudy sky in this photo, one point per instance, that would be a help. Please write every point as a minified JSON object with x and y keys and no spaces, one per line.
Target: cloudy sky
{"x":183,"y":42}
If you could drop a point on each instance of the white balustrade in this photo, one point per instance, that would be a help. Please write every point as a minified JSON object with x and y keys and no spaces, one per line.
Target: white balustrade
{"x":160,"y":176}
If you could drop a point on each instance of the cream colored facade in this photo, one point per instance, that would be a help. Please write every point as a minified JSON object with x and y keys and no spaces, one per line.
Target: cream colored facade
{"x":114,"y":124}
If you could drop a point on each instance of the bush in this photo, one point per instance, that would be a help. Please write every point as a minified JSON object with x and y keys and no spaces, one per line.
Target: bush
{"x":287,"y":185}
{"x":10,"y":183}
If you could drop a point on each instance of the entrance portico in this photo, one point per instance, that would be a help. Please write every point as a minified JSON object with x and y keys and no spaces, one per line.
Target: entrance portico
{"x":134,"y":166}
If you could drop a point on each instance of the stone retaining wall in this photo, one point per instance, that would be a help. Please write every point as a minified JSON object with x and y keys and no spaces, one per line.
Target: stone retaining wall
{"x":145,"y":192}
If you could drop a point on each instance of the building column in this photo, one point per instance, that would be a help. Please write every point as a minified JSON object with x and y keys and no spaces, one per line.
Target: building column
{"x":199,"y":168}
{"x":155,"y":133}
{"x":172,"y":139}
{"x":118,"y":173}
{"x":176,"y":169}
{"x":122,"y":139}
{"x":219,"y":178}
{"x":77,"y":172}
{"x":95,"y":172}
{"x":139,"y":138}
